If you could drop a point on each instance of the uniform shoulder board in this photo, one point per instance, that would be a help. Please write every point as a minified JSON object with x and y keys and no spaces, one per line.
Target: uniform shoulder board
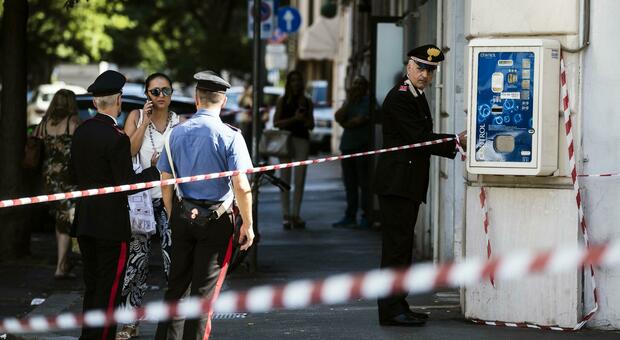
{"x":236,"y":129}
{"x":118,"y":130}
{"x":403,"y":88}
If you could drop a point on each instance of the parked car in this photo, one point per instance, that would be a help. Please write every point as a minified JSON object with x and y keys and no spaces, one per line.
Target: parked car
{"x":183,"y":106}
{"x":42,"y":97}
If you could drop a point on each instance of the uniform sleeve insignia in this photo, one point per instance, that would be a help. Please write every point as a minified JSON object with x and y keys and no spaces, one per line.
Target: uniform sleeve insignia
{"x":432,"y":52}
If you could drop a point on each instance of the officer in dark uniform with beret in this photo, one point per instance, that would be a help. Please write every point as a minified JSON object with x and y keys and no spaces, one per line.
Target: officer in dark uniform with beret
{"x":101,"y":157}
{"x":402,"y":177}
{"x":202,"y":220}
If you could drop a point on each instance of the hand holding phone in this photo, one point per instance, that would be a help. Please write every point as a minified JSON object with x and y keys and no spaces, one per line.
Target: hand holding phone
{"x":148,"y":107}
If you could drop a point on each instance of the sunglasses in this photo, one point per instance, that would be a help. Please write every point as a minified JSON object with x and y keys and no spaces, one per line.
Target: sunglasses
{"x":166,"y":91}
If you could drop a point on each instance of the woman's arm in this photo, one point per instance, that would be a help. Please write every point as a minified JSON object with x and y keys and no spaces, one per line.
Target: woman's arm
{"x":136,"y":133}
{"x":309,"y":116}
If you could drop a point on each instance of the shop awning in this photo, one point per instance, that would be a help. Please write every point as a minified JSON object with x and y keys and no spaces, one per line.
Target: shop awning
{"x":320,"y":41}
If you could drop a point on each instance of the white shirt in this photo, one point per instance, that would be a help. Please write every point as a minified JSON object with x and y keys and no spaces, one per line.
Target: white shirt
{"x":146,"y":150}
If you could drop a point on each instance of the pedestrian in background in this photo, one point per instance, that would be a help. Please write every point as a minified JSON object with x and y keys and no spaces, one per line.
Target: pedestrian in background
{"x":147,"y":129}
{"x":56,"y":128}
{"x":294,"y":113}
{"x":101,"y":157}
{"x":402,"y":176}
{"x":202,"y":217}
{"x":354,"y":117}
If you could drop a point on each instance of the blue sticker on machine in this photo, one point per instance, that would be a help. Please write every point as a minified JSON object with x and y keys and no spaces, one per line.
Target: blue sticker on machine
{"x":504,"y":107}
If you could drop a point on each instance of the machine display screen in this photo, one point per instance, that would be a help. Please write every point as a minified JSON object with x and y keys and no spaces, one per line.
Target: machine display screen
{"x":504,"y":105}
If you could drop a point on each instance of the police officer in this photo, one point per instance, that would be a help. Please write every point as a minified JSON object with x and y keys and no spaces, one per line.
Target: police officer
{"x":101,"y":157}
{"x":402,"y":177}
{"x":202,"y":220}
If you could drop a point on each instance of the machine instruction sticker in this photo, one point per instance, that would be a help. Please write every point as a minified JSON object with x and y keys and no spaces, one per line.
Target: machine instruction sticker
{"x":504,"y":104}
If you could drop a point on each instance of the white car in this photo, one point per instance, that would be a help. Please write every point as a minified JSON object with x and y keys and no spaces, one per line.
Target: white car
{"x":323,"y":116}
{"x":42,"y":97}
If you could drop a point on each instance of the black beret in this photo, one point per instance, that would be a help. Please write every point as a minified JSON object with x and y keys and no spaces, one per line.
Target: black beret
{"x":108,"y":83}
{"x":427,"y":56}
{"x":211,"y":81}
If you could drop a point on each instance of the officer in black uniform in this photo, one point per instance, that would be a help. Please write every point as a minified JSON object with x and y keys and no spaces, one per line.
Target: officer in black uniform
{"x":202,"y":220}
{"x":402,"y":177}
{"x":101,"y":157}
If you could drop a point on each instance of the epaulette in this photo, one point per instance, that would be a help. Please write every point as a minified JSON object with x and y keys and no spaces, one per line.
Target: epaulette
{"x":234,"y":128}
{"x":403,"y":88}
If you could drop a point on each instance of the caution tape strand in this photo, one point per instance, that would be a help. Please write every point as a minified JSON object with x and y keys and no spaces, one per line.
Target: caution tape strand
{"x":338,"y":289}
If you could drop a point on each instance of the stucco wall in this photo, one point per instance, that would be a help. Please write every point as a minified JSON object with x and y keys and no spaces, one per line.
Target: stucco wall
{"x":533,"y":219}
{"x":600,"y":123}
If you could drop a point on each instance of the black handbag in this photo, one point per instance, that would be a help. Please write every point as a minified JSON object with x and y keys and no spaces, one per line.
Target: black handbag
{"x":200,"y":212}
{"x":276,"y":143}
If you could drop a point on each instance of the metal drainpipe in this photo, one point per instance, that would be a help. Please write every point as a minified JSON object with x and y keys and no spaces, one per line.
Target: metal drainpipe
{"x":437,"y":122}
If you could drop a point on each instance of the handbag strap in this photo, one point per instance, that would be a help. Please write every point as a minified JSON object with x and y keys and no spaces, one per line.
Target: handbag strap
{"x":169,"y":154}
{"x":136,"y":159}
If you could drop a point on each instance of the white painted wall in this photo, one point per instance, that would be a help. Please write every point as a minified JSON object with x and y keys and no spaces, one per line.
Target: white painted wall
{"x":600,"y":144}
{"x":533,"y":219}
{"x":454,"y":119}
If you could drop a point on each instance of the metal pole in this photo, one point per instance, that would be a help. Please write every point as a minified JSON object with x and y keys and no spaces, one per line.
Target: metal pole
{"x":257,"y":90}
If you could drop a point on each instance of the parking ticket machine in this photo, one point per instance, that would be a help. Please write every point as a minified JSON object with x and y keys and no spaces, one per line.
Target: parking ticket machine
{"x":513,"y":106}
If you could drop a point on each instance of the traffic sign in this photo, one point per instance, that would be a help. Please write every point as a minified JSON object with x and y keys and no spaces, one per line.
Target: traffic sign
{"x":289,"y":19}
{"x":266,"y":19}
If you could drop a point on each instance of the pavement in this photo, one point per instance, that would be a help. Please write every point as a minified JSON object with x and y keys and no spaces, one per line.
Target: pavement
{"x":314,"y":252}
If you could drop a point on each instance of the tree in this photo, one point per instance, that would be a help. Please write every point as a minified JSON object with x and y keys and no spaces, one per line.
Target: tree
{"x":14,"y":233}
{"x":79,"y":35}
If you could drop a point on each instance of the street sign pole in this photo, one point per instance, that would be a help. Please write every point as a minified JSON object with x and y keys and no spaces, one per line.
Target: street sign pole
{"x":257,"y":90}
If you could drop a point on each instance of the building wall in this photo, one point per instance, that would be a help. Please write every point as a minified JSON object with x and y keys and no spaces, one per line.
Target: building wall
{"x":600,"y":121}
{"x":527,"y":212}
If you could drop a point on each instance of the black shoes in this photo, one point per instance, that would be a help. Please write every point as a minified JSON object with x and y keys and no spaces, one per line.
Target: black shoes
{"x":422,"y":316}
{"x":405,"y":320}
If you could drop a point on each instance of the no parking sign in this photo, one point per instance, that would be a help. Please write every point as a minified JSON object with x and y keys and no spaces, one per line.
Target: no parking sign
{"x":266,"y":19}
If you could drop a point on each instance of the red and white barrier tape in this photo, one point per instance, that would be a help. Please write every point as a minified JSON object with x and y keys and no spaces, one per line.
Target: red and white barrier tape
{"x":339,"y":289}
{"x":459,"y":147}
{"x":612,"y":174}
{"x":148,"y":185}
{"x":486,"y":224}
{"x":568,"y":124}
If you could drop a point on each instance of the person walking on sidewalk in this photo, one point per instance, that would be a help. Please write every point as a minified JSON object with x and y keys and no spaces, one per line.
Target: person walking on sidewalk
{"x":202,"y":219}
{"x":147,"y":129}
{"x":294,"y":113}
{"x":354,"y":117}
{"x":56,"y":130}
{"x":402,"y":177}
{"x":101,"y":157}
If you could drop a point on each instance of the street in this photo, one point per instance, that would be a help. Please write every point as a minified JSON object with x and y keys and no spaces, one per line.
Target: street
{"x":317,"y":251}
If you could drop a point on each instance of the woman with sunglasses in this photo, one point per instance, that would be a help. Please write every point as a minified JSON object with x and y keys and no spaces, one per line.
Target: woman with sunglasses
{"x":147,"y":129}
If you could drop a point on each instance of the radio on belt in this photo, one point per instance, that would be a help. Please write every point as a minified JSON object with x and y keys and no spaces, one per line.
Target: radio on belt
{"x":513,"y":107}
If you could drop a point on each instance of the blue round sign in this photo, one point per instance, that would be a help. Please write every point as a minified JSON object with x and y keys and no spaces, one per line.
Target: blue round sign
{"x":289,"y":19}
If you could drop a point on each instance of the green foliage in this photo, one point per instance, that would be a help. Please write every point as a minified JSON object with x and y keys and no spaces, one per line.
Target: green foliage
{"x":80,"y":34}
{"x":180,"y":37}
{"x":184,"y":36}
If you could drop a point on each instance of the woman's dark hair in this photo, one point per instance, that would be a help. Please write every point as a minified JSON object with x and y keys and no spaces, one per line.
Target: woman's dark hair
{"x":63,"y":105}
{"x":288,"y":90}
{"x":148,"y":80}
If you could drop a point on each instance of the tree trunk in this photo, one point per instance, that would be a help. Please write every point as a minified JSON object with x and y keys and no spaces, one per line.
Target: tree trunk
{"x":14,"y":229}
